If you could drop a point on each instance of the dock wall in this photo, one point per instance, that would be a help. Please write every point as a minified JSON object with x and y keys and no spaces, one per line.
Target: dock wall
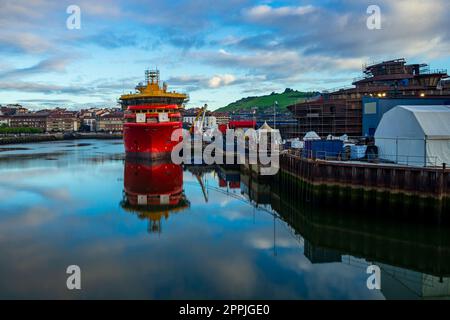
{"x":317,"y":180}
{"x":32,"y":138}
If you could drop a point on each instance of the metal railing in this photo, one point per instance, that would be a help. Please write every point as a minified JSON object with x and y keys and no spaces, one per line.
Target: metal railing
{"x":376,"y":62}
{"x":337,"y":89}
{"x":360,"y":78}
{"x":380,"y":158}
{"x":433,"y":71}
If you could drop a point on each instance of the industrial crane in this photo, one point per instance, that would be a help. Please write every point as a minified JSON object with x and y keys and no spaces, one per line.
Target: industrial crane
{"x":197,"y":124}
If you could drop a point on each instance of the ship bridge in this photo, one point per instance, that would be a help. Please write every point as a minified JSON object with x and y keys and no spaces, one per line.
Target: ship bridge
{"x":152,"y":93}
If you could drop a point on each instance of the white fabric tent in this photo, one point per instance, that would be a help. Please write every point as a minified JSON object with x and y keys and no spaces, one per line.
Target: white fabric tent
{"x":265,"y":129}
{"x":311,"y":135}
{"x":415,"y":135}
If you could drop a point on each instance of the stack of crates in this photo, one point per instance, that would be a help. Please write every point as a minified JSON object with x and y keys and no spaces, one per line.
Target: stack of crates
{"x":357,"y":152}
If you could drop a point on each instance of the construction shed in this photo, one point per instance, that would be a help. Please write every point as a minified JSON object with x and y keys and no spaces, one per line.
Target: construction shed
{"x":415,"y":135}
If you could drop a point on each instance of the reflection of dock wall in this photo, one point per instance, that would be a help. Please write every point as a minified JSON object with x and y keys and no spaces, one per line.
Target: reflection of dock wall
{"x":415,"y":251}
{"x":418,"y":247}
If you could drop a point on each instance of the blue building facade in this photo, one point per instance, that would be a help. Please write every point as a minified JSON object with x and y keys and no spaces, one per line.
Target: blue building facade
{"x":374,"y":108}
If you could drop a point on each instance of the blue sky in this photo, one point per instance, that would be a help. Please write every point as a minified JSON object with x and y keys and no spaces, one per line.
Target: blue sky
{"x":217,"y":51}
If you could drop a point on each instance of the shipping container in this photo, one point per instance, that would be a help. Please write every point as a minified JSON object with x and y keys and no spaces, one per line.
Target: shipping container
{"x":322,"y":149}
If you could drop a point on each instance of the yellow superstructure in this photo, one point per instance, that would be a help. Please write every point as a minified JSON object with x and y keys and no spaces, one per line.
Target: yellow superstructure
{"x":152,"y":93}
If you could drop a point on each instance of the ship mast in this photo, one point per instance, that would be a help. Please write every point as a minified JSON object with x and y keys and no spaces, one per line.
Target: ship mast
{"x":152,"y":76}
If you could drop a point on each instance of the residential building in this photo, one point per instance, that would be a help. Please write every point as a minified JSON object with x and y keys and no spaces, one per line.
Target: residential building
{"x":64,"y":121}
{"x":30,"y":120}
{"x":90,"y":123}
{"x":10,"y":109}
{"x":88,"y":119}
{"x":4,"y":120}
{"x":221,"y":117}
{"x":110,"y":122}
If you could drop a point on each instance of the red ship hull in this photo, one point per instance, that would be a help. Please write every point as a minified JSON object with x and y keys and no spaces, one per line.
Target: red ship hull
{"x":149,"y":140}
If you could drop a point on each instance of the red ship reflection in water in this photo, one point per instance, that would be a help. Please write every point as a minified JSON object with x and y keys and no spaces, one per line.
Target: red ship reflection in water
{"x":153,"y":190}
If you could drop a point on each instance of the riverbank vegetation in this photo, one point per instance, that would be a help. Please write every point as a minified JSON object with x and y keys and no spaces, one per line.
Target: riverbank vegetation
{"x":19,"y":130}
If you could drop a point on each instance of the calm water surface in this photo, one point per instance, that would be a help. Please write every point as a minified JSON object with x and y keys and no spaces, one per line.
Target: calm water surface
{"x":214,"y":233}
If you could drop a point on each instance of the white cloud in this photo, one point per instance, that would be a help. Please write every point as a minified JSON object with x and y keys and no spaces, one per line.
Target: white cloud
{"x":409,"y":28}
{"x":103,"y":9}
{"x":202,"y":82}
{"x":266,"y":44}
{"x":221,"y":80}
{"x":24,"y":41}
{"x":267,"y":12}
{"x":278,"y":64}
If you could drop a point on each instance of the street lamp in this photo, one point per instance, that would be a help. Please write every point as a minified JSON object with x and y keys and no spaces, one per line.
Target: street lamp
{"x":275,"y":105}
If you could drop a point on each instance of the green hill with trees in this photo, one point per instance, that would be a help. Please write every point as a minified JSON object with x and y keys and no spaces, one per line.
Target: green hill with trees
{"x":261,"y":103}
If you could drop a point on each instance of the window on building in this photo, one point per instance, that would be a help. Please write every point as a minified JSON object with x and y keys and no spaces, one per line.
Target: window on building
{"x":370,"y":108}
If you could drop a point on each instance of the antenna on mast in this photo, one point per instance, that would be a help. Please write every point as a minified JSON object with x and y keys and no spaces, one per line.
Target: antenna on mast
{"x":152,"y":76}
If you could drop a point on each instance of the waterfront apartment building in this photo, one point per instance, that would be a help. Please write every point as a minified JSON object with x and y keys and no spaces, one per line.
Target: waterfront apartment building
{"x":341,"y":111}
{"x":110,"y":122}
{"x":46,"y":121}
{"x":36,"y":120}
{"x":90,"y":123}
{"x":4,"y":120}
{"x":88,"y":118}
{"x":62,"y":122}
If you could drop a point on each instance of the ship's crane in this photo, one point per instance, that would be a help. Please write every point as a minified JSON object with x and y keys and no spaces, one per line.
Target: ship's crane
{"x":198,"y":172}
{"x":204,"y":190}
{"x":197,"y":124}
{"x":197,"y":127}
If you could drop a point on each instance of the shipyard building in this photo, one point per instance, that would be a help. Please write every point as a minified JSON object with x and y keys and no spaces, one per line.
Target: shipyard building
{"x":341,"y":111}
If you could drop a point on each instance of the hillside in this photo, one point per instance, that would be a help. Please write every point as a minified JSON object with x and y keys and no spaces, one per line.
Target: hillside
{"x":262,"y":103}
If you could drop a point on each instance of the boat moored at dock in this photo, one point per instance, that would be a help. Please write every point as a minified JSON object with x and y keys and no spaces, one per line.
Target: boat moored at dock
{"x":152,"y":113}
